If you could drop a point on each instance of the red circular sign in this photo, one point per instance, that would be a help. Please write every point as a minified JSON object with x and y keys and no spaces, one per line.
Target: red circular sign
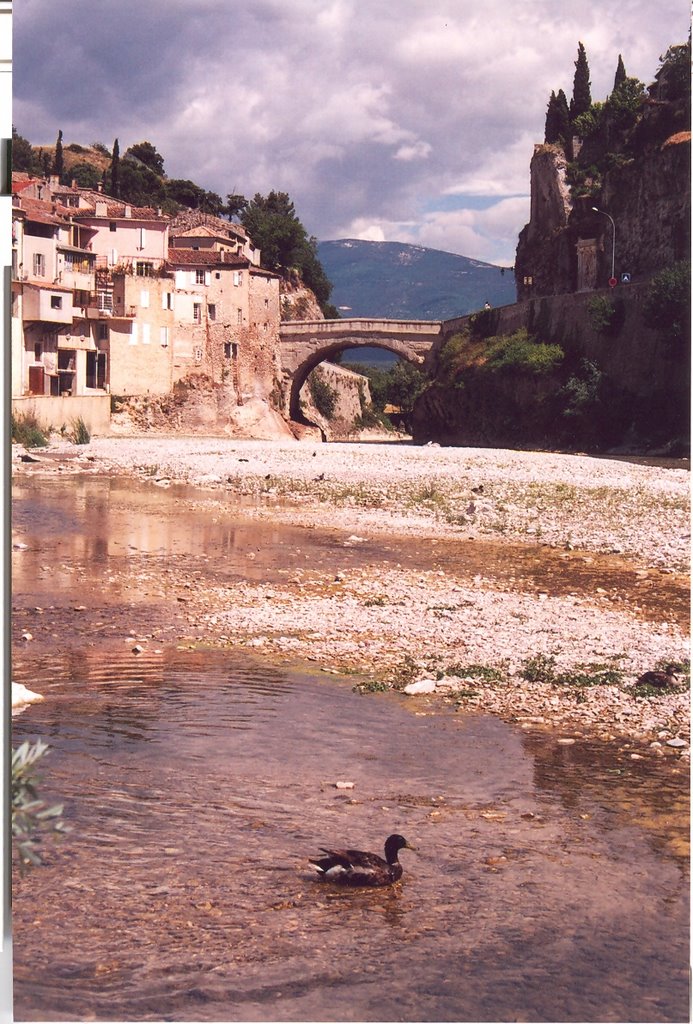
{"x":612,"y":282}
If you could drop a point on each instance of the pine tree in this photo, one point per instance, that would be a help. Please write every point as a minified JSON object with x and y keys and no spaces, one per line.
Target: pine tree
{"x":115,"y":170}
{"x":620,"y":76}
{"x":58,"y":165}
{"x":582,"y":98}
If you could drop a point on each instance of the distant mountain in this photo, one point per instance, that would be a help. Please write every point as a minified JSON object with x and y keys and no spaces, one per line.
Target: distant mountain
{"x":398,"y":281}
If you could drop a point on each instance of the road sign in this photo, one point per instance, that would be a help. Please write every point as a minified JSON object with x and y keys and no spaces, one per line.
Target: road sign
{"x":625,"y":278}
{"x":612,"y":282}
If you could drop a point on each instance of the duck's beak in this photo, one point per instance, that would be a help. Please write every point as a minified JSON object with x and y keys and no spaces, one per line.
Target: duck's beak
{"x":410,"y":847}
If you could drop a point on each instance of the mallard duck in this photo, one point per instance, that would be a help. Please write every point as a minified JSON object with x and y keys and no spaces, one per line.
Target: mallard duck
{"x":354,"y":867}
{"x":665,"y":678}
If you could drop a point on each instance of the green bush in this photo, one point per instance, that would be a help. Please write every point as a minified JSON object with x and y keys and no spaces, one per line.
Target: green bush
{"x":323,"y":395}
{"x":80,"y":432}
{"x":521,"y":351}
{"x":602,"y":313}
{"x":27,"y":430}
{"x":667,"y":305}
{"x":30,"y":815}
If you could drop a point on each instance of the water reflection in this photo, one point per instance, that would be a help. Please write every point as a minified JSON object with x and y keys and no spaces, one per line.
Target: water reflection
{"x":198,"y":784}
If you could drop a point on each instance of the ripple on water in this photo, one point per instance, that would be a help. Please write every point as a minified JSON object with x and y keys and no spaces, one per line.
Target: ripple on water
{"x":198,"y":784}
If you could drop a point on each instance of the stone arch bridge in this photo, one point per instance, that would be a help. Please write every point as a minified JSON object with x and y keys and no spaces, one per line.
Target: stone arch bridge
{"x":305,"y":343}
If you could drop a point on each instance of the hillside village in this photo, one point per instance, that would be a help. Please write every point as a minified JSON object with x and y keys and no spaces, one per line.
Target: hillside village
{"x":113,"y":299}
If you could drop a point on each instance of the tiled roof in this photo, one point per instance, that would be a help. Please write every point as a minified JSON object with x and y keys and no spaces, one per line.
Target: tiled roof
{"x":42,"y":212}
{"x":204,"y":257}
{"x":185,"y":221}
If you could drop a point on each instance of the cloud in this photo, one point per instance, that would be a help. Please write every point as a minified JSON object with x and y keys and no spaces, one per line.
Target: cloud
{"x":369,"y":115}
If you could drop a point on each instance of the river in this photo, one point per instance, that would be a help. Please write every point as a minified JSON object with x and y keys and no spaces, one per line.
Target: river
{"x":550,"y":882}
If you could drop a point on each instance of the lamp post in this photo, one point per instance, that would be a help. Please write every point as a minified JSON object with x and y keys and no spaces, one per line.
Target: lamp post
{"x":613,"y":240}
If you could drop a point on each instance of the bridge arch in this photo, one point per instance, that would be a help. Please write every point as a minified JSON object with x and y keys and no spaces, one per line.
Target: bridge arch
{"x":306,"y":344}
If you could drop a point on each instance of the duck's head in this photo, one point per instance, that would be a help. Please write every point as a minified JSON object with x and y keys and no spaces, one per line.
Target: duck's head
{"x":393,"y":844}
{"x":670,"y":670}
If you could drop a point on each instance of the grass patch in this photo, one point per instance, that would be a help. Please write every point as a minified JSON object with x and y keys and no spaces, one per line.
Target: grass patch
{"x":541,"y":668}
{"x":487,"y":673}
{"x":27,"y":430}
{"x":80,"y":432}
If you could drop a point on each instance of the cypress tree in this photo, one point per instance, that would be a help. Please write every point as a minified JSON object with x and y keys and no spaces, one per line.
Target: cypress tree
{"x":582,"y":98}
{"x":563,"y":115}
{"x":58,"y":161}
{"x":115,"y":170}
{"x":551,"y":126}
{"x":620,"y":76}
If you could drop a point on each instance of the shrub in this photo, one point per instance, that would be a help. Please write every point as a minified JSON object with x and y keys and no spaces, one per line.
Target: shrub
{"x":583,"y":393}
{"x":603,"y":314}
{"x":521,"y":351}
{"x":27,"y":430}
{"x":323,"y":395}
{"x":80,"y":432}
{"x":30,"y":815}
{"x":667,"y":303}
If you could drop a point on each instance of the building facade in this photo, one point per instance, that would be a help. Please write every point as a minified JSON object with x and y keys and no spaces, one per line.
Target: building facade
{"x":113,"y":299}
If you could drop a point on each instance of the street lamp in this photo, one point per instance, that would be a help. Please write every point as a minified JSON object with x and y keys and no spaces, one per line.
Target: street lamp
{"x":613,"y":239}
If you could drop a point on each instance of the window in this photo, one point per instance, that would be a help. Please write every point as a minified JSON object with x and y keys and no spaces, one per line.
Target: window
{"x":167,"y":300}
{"x":39,"y":264}
{"x":112,"y":226}
{"x":199,"y":277}
{"x":227,"y":350}
{"x":144,"y":269}
{"x":142,"y":239}
{"x":198,"y":355}
{"x":37,"y":351}
{"x":164,"y":337}
{"x":239,"y":316}
{"x":146,"y":334}
{"x":212,"y":311}
{"x":103,"y":332}
{"x":56,"y":302}
{"x":197,"y":312}
{"x":144,"y":298}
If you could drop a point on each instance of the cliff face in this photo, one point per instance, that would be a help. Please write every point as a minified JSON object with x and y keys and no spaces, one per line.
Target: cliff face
{"x":639,"y":177}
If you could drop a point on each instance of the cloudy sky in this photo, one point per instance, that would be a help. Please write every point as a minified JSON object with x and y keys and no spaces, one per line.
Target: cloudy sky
{"x":396,"y":120}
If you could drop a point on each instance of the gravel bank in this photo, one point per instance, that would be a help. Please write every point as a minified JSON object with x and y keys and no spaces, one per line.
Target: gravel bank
{"x":472,"y":640}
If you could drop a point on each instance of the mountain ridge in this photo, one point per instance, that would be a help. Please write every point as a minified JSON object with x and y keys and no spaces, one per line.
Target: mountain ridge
{"x":398,"y":280}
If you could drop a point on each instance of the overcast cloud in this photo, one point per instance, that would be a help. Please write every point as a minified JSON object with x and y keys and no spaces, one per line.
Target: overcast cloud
{"x":402,"y":120}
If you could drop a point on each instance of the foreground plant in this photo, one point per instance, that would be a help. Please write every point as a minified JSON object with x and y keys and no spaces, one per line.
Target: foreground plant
{"x":30,"y":815}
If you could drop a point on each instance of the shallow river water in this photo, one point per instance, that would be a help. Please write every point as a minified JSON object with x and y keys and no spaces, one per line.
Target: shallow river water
{"x":550,"y":882}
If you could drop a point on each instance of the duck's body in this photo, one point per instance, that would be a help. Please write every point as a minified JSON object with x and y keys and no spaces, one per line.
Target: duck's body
{"x":358,"y":868}
{"x":666,"y":678}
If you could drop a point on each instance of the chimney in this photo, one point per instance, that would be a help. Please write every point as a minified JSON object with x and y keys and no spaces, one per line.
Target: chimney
{"x":54,"y":181}
{"x":128,"y":210}
{"x":99,"y":186}
{"x":73,"y":183}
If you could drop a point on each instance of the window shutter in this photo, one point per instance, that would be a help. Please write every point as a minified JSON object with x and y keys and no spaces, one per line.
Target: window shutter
{"x":181,"y":279}
{"x":133,"y":333}
{"x":113,"y":259}
{"x":164,"y":337}
{"x":144,"y":298}
{"x":143,"y":237}
{"x":208,"y":277}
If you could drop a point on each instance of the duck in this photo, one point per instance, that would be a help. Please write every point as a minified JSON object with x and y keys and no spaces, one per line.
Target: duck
{"x":358,"y":868}
{"x":665,"y":678}
{"x":22,"y":695}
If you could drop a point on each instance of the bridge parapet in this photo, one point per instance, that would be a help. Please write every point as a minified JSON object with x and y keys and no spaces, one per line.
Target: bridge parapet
{"x":305,"y":343}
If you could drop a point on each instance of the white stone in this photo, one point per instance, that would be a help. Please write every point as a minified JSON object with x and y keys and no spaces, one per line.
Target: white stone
{"x":420,"y":686}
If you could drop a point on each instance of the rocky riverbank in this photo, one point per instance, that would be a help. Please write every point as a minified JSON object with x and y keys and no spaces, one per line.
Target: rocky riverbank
{"x":543,"y":584}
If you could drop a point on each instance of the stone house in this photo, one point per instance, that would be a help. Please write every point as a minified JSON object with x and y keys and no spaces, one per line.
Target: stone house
{"x":102,"y":304}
